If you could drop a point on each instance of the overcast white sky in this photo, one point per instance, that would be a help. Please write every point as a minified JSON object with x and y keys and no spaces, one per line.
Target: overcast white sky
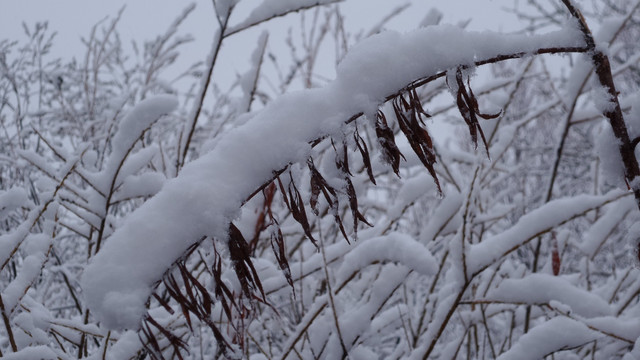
{"x":145,"y":19}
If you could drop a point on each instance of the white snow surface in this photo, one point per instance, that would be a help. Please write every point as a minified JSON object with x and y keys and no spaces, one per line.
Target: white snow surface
{"x":395,"y":247}
{"x":274,"y":8}
{"x":532,"y":224}
{"x":544,"y":288}
{"x":126,"y":347}
{"x":143,"y":115}
{"x":209,"y":192}
{"x":608,"y":150}
{"x":12,"y":199}
{"x":601,"y":229}
{"x":556,"y":334}
{"x":41,"y":352}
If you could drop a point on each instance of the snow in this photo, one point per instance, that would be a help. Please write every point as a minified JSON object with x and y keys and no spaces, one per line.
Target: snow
{"x":300,"y":270}
{"x":223,"y":7}
{"x":544,"y":288}
{"x":626,"y":328}
{"x":556,"y":334}
{"x":361,"y":352}
{"x":269,"y":9}
{"x":126,"y":347}
{"x":318,"y":305}
{"x":9,"y":243}
{"x":540,"y":220}
{"x":41,"y":352}
{"x":433,"y":17}
{"x":390,"y":60}
{"x":444,"y":215}
{"x":633,"y":118}
{"x":356,"y":322}
{"x":607,"y":147}
{"x":146,"y":184}
{"x":412,"y":189}
{"x":604,"y":226}
{"x":12,"y":199}
{"x":209,"y":191}
{"x":634,"y":354}
{"x":143,"y":115}
{"x":38,"y":161}
{"x":602,"y":98}
{"x":395,"y":247}
{"x":29,"y":272}
{"x":446,"y":299}
{"x":577,"y":80}
{"x":136,"y":161}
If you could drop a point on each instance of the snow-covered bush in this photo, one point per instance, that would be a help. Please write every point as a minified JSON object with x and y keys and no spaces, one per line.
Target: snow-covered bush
{"x":295,"y":217}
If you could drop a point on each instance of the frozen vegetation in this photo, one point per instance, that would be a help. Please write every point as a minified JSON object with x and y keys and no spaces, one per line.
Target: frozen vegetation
{"x":450,"y":194}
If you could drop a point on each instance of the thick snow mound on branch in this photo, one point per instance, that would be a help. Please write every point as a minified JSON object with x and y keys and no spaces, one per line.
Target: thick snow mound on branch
{"x":209,"y":192}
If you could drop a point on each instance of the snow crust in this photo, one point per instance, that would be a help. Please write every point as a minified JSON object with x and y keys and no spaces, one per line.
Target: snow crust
{"x":209,"y":191}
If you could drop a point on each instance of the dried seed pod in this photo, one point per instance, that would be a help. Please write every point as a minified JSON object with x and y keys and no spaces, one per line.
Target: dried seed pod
{"x":468,"y":106}
{"x":555,"y":256}
{"x":409,"y":114}
{"x":387,"y":141}
{"x":364,"y":152}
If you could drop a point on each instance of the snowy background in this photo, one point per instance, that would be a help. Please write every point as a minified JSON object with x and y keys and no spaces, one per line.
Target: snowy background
{"x":431,"y":188}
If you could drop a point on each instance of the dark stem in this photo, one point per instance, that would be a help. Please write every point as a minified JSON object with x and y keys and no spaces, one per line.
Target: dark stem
{"x":7,"y":326}
{"x":182,"y":153}
{"x":614,"y":113}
